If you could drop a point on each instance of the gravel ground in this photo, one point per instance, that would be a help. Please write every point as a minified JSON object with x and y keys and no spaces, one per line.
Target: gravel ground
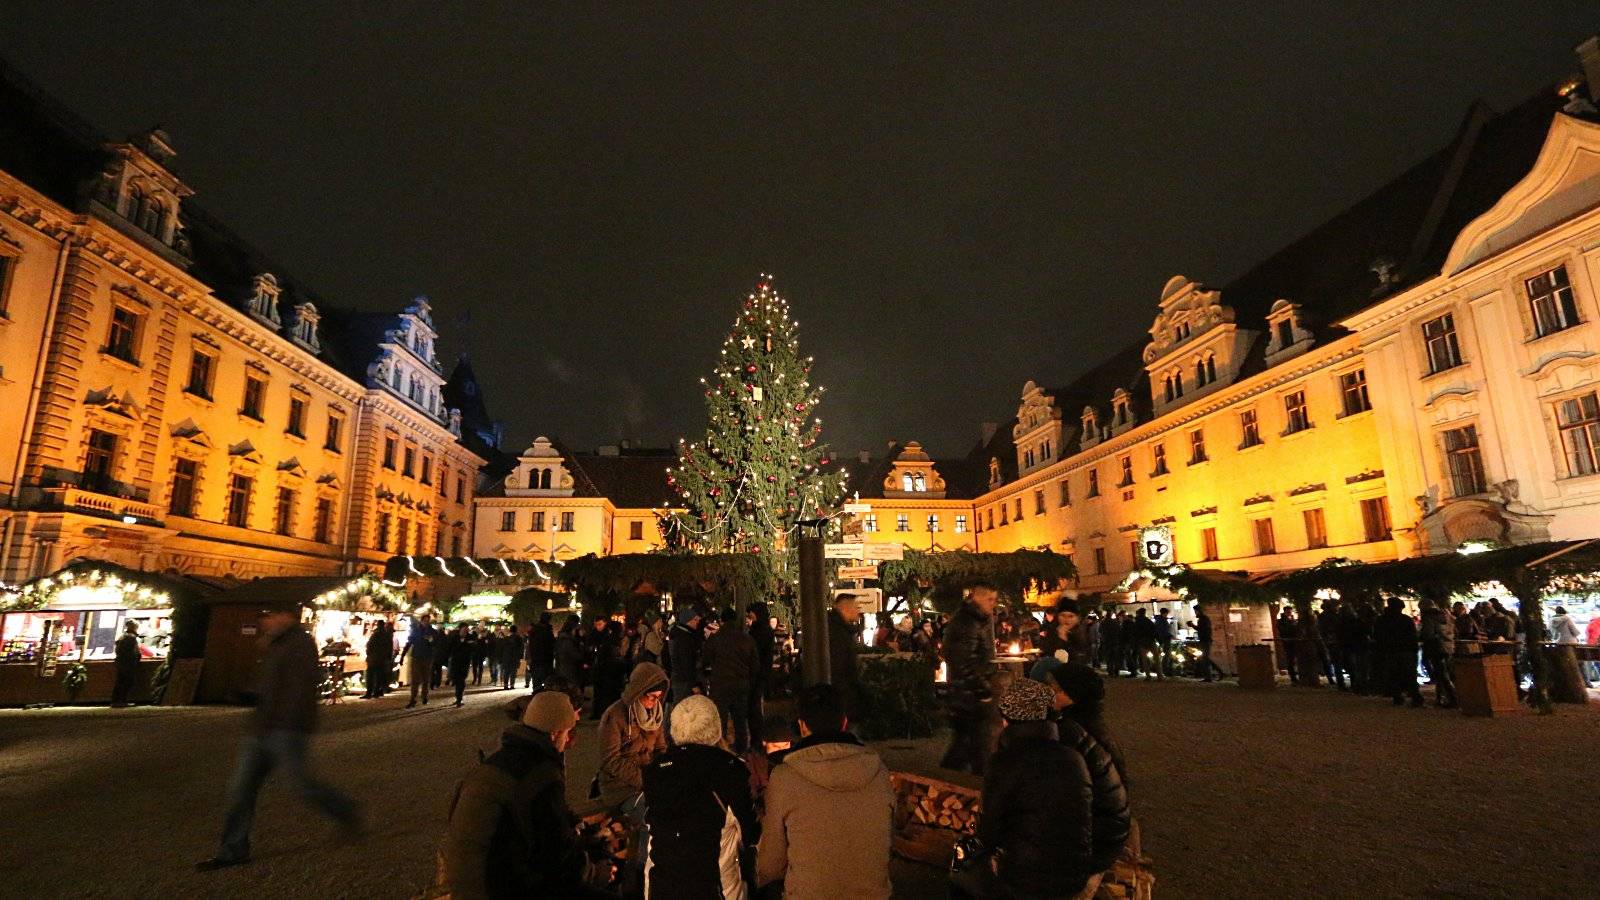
{"x":1288,"y":793}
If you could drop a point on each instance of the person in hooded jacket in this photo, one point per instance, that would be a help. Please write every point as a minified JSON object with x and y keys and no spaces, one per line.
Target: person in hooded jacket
{"x":1078,"y":693}
{"x":699,"y":813}
{"x":1038,"y":809}
{"x":829,"y":810}
{"x":631,"y":734}
{"x":1394,"y":640}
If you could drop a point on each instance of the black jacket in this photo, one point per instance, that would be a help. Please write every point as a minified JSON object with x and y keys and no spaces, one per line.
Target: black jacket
{"x":1111,"y":817}
{"x":700,"y":818}
{"x":511,"y":833}
{"x":288,"y":682}
{"x":1202,"y":628}
{"x":1038,"y":811}
{"x":1395,"y":633}
{"x":843,"y":644}
{"x":461,"y":650}
{"x":127,"y":648}
{"x":729,"y":658}
{"x":683,"y":654}
{"x":510,"y":650}
{"x":969,"y":651}
{"x":542,"y":648}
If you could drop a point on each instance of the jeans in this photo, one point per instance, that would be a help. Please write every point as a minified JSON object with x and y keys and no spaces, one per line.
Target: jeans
{"x":259,"y":754}
{"x":420,"y":675}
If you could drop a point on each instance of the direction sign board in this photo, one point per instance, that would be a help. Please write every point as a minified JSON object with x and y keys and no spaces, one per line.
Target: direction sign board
{"x":857,"y":509}
{"x":885,"y":551}
{"x":841,"y":551}
{"x":852,"y":573}
{"x":868,"y":600}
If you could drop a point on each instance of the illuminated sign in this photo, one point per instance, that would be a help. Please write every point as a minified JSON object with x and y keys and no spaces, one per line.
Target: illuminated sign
{"x":1155,"y":546}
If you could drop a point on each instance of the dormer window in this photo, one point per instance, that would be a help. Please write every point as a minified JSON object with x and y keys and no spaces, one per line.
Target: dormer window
{"x":305,"y":327}
{"x":1121,"y":412}
{"x":1285,"y":332}
{"x":263,"y":302}
{"x":1181,"y":332}
{"x":994,"y":471}
{"x":1287,"y":329}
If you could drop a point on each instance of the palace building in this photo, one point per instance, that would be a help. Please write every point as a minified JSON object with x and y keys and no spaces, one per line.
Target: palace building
{"x":171,"y":401}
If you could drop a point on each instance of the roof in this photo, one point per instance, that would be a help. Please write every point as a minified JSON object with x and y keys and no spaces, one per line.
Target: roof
{"x":633,"y":479}
{"x":281,"y":590}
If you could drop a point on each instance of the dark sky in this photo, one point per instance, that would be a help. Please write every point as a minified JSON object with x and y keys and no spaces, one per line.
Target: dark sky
{"x":953,"y":203}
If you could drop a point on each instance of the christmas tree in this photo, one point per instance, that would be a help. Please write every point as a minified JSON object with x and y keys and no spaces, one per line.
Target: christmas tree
{"x":762,"y":467}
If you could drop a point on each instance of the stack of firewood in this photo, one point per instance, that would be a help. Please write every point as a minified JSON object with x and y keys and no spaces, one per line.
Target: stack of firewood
{"x":956,"y":809}
{"x":930,"y":815}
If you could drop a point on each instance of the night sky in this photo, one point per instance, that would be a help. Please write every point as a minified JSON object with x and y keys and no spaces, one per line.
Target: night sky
{"x":953,"y":204}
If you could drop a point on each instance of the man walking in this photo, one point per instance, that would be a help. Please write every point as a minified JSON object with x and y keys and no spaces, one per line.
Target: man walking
{"x":1202,"y":628}
{"x":422,"y":645}
{"x":127,"y":663}
{"x":1394,"y":640}
{"x":287,"y":683}
{"x":969,"y":656}
{"x":729,"y":658}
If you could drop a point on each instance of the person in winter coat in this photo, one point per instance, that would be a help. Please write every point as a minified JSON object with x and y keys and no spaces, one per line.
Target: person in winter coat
{"x":683,"y":648}
{"x":1438,"y":635}
{"x":538,"y":652}
{"x":423,"y":644}
{"x":1147,"y":650}
{"x":1038,"y":809}
{"x":462,"y":650}
{"x":729,"y":659}
{"x":510,"y":658}
{"x":127,"y":664}
{"x":1563,"y":630}
{"x":1394,"y":640}
{"x":511,"y":834}
{"x":653,"y":643}
{"x":380,"y":660}
{"x":699,"y":817}
{"x":829,"y":816}
{"x":287,"y":687}
{"x":969,"y":658}
{"x":569,"y":653}
{"x":766,"y":645}
{"x":1079,"y":697}
{"x":1111,"y":644}
{"x":844,"y":643}
{"x":631,"y":735}
{"x":604,"y":647}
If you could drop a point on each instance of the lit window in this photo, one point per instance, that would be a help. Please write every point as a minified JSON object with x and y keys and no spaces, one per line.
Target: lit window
{"x":1439,"y":338}
{"x":1579,"y":421}
{"x":869,"y":522}
{"x":1316,"y":528}
{"x":961,"y":523}
{"x":1551,"y":302}
{"x":933,"y":522}
{"x":902,"y":522}
{"x":123,"y":339}
{"x":1353,"y":392}
{"x":1464,"y":460}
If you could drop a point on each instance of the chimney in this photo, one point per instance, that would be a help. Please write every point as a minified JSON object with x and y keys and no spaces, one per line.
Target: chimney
{"x":1589,"y":57}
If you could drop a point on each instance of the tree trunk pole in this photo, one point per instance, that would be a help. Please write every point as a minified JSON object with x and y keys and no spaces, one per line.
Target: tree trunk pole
{"x":814,"y":657}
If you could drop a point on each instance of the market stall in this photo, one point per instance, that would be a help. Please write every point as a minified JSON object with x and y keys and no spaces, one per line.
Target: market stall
{"x":58,"y":632}
{"x":1237,"y":606}
{"x":338,"y":611}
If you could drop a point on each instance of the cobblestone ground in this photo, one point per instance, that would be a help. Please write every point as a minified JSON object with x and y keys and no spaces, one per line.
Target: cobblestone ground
{"x":1288,"y":793}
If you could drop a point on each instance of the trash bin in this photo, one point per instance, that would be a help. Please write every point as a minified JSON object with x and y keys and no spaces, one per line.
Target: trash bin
{"x":1256,"y":670}
{"x":1485,"y":685}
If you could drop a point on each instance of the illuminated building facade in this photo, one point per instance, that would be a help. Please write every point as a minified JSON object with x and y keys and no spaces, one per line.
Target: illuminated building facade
{"x":170,"y":401}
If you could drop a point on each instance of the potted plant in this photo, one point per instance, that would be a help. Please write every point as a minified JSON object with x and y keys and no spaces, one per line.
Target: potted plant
{"x":77,"y":675}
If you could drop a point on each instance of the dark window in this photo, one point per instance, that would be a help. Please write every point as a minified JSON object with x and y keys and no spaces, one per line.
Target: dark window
{"x":409,"y":467}
{"x":201,"y":366}
{"x":1197,"y":446}
{"x":1019,"y":509}
{"x":1285,"y":333}
{"x":1551,"y":302}
{"x":538,"y":521}
{"x":383,"y":532}
{"x":1127,"y":471}
{"x":1464,"y":460}
{"x":123,"y":339}
{"x":185,"y":472}
{"x":508,"y":521}
{"x":389,"y":446}
{"x":239,"y":488}
{"x":255,"y":391}
{"x":1375,"y":518}
{"x":1208,"y":544}
{"x":444,"y":478}
{"x":1133,"y":554}
{"x":1316,"y":528}
{"x":1038,"y":502}
{"x":566,"y":521}
{"x":1094,"y":484}
{"x":1439,"y":337}
{"x":461,"y":489}
{"x":7,"y":265}
{"x":335,"y":426}
{"x":1353,"y":391}
{"x":1158,"y":455}
{"x":1066,"y":492}
{"x":455,"y":545}
{"x":322,"y":526}
{"x":297,"y":417}
{"x":427,"y":470}
{"x":1100,"y":560}
{"x":1579,"y":421}
{"x":1297,"y":417}
{"x":1211,"y":369}
{"x":283,"y":515}
{"x":1005,"y":514}
{"x":1266,"y":543}
{"x":402,"y":536}
{"x":635,"y":531}
{"x":1250,"y":428}
{"x":99,"y":461}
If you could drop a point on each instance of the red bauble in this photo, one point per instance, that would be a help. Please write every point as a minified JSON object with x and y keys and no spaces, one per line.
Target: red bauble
{"x":799,"y":407}
{"x":772,"y":479}
{"x":751,"y":368}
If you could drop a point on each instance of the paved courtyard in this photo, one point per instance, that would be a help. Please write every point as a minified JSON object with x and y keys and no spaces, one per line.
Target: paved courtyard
{"x":1283,"y":794}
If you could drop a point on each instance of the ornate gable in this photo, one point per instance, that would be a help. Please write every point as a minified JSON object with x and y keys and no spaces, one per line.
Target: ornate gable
{"x":541,"y":472}
{"x":913,"y":475}
{"x":1037,"y":434}
{"x":1188,"y":310}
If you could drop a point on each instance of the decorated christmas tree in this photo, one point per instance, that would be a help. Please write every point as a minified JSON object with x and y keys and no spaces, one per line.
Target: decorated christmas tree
{"x":762,"y":467}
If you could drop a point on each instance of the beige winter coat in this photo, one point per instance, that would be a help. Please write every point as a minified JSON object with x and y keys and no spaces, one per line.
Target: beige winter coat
{"x":625,"y":747}
{"x":828,"y":823}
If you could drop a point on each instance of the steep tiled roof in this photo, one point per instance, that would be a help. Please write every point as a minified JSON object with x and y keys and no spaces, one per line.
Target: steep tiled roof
{"x":634,"y":478}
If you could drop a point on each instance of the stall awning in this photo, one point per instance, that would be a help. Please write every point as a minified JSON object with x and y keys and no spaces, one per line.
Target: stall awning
{"x":85,"y":584}
{"x":362,"y":593}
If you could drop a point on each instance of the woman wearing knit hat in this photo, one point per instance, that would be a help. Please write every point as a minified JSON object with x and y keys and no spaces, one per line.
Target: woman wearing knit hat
{"x":699,"y":815}
{"x":631,"y":735}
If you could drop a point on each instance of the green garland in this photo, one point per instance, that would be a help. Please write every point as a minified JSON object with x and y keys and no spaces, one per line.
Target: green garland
{"x":941,"y":575}
{"x":742,"y":575}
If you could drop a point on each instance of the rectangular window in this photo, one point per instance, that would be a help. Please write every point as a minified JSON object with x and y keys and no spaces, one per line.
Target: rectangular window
{"x":390,"y":445}
{"x":1439,"y":337}
{"x":461,"y":489}
{"x":255,"y":392}
{"x":1296,"y":416}
{"x":185,"y":472}
{"x":1464,"y":459}
{"x":1100,"y":560}
{"x":1375,"y":518}
{"x":1266,"y":543}
{"x":1197,"y":446}
{"x":933,"y":523}
{"x":1064,"y":486}
{"x":1005,"y":514}
{"x":1353,"y":392}
{"x":1158,"y":455}
{"x":508,"y":520}
{"x":201,"y":368}
{"x":427,"y":470}
{"x":1094,"y":483}
{"x":566,"y":521}
{"x":538,"y":521}
{"x":1208,"y":544}
{"x":869,"y":522}
{"x":7,"y":266}
{"x":455,"y":545}
{"x":1249,"y":428}
{"x":1285,"y":333}
{"x":1019,"y":509}
{"x":1038,"y":502}
{"x":1579,"y":421}
{"x":382,"y":542}
{"x":1551,"y":303}
{"x":961,"y":523}
{"x":335,"y":426}
{"x":297,"y":417}
{"x":902,"y":522}
{"x":1316,"y":528}
{"x":635,"y":531}
{"x":1027,"y":459}
{"x":122,"y":341}
{"x":283,"y":515}
{"x":1127,"y":471}
{"x":444,"y":478}
{"x":402,"y":536}
{"x":322,"y":525}
{"x":409,"y":468}
{"x":239,"y":488}
{"x":99,"y":461}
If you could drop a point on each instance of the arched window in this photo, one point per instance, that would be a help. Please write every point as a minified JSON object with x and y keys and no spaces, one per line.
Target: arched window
{"x":136,"y":204}
{"x":905,"y":482}
{"x":152,"y":216}
{"x":1211,"y":369}
{"x":544,"y":480}
{"x":1200,"y":372}
{"x":1167,"y":385}
{"x":1177,"y":384}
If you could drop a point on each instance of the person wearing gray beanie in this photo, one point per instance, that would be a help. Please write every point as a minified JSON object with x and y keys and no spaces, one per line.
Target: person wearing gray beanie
{"x":699,"y":815}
